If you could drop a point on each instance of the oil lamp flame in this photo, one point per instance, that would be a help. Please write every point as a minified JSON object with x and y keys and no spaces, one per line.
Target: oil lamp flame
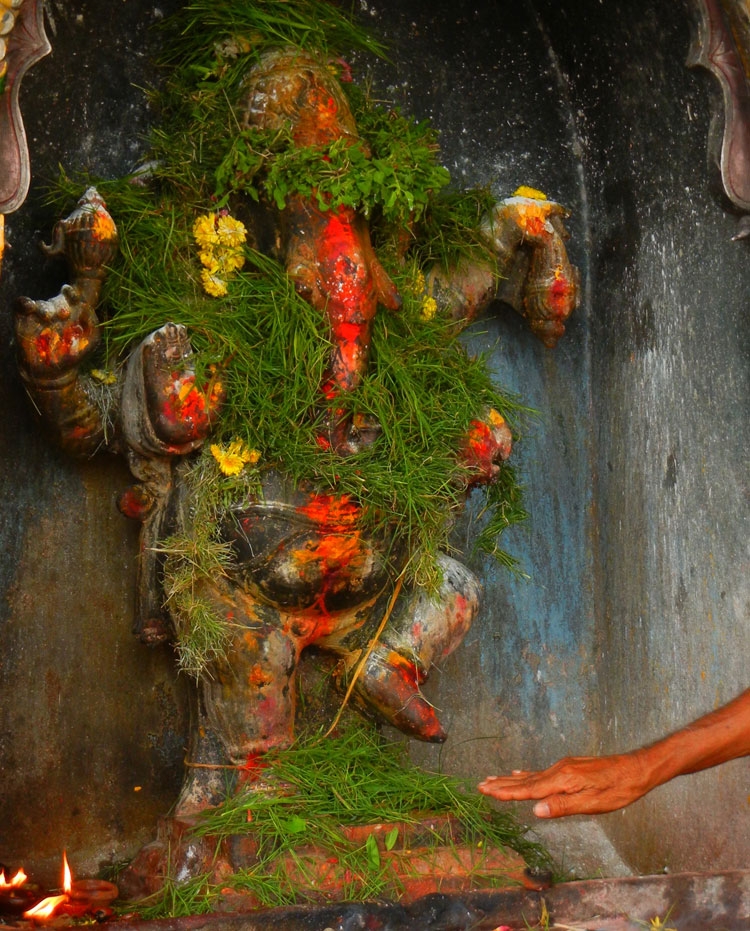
{"x":67,"y":878}
{"x":18,"y":880}
{"x":46,"y":908}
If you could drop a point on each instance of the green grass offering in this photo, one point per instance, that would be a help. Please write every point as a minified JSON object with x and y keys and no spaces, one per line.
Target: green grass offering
{"x":270,"y":346}
{"x":352,"y":779}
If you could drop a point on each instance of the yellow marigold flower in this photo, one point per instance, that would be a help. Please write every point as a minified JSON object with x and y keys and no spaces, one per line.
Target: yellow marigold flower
{"x":531,"y":192}
{"x":212,"y":284}
{"x":231,"y":232}
{"x":232,"y":260}
{"x":204,"y":230}
{"x":233,"y":458}
{"x":208,"y":258}
{"x":429,"y":308}
{"x":220,"y":240}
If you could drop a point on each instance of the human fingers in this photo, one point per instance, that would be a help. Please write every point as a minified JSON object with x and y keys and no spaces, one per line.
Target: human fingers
{"x":520,"y":785}
{"x":513,"y":772}
{"x":568,"y":775}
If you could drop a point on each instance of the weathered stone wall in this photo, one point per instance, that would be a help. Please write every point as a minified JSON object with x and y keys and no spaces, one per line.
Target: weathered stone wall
{"x":635,"y":616}
{"x":92,"y":723}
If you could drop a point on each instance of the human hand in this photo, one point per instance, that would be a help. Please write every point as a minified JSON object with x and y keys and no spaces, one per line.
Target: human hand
{"x":575,"y":785}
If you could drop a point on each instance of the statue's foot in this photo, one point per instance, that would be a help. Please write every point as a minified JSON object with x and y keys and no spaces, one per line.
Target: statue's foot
{"x":389,"y":685}
{"x":203,"y":788}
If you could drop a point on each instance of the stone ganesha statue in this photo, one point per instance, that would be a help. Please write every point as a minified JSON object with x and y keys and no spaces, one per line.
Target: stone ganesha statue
{"x":304,"y":570}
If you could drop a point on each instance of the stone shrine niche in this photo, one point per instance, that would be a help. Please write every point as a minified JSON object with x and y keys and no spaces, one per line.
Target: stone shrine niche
{"x":54,"y":480}
{"x":283,"y":561}
{"x":292,"y":558}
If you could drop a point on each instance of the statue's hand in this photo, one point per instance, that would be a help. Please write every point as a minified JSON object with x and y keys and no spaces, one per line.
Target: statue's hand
{"x":54,"y":336}
{"x":539,"y":281}
{"x":487,"y":444}
{"x":534,"y":217}
{"x":183,"y":408}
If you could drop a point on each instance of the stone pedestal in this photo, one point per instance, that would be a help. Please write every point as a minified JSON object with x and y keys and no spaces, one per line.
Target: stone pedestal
{"x":430,"y":855}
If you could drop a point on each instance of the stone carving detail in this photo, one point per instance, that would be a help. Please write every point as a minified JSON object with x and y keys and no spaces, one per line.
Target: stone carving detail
{"x":721,"y":45}
{"x":22,"y":43}
{"x":304,"y":570}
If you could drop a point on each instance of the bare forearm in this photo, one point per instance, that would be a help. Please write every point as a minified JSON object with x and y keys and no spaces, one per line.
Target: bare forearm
{"x":591,"y":785}
{"x":715,"y":738}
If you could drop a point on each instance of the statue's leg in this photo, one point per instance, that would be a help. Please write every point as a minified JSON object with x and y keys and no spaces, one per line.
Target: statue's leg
{"x":421,"y":631}
{"x":151,"y":502}
{"x":207,"y":780}
{"x":246,"y":701}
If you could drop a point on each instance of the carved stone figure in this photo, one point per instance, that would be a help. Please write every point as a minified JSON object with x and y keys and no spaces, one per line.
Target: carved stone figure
{"x":304,"y":569}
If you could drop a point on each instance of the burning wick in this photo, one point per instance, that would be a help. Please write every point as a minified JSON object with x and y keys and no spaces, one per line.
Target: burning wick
{"x":82,"y":897}
{"x":14,"y":895}
{"x":18,"y":880}
{"x":46,"y":908}
{"x":67,"y":876}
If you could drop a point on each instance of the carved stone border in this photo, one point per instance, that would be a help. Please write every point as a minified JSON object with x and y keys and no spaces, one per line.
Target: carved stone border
{"x":722,"y":46}
{"x":27,"y":43}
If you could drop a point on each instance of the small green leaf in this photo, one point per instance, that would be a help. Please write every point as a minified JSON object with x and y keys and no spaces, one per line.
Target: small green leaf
{"x":294,"y":825}
{"x":390,"y":839}
{"x":373,"y":854}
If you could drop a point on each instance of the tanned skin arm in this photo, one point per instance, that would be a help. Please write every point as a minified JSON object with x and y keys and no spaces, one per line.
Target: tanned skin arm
{"x":593,"y":785}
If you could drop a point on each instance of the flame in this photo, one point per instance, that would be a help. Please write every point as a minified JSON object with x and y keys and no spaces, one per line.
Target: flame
{"x":46,"y":908}
{"x":67,"y":878}
{"x":18,"y":880}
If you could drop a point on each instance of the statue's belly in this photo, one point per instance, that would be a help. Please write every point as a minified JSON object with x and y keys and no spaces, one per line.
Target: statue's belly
{"x":310,"y":555}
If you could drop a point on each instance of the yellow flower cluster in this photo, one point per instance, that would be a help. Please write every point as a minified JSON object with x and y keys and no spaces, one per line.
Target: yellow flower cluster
{"x":428,"y":308}
{"x":428,"y":304}
{"x":233,"y":458}
{"x":220,"y":239}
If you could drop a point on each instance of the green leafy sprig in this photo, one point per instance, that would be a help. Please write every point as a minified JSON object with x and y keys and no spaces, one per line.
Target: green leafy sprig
{"x":392,"y":171}
{"x":208,"y":35}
